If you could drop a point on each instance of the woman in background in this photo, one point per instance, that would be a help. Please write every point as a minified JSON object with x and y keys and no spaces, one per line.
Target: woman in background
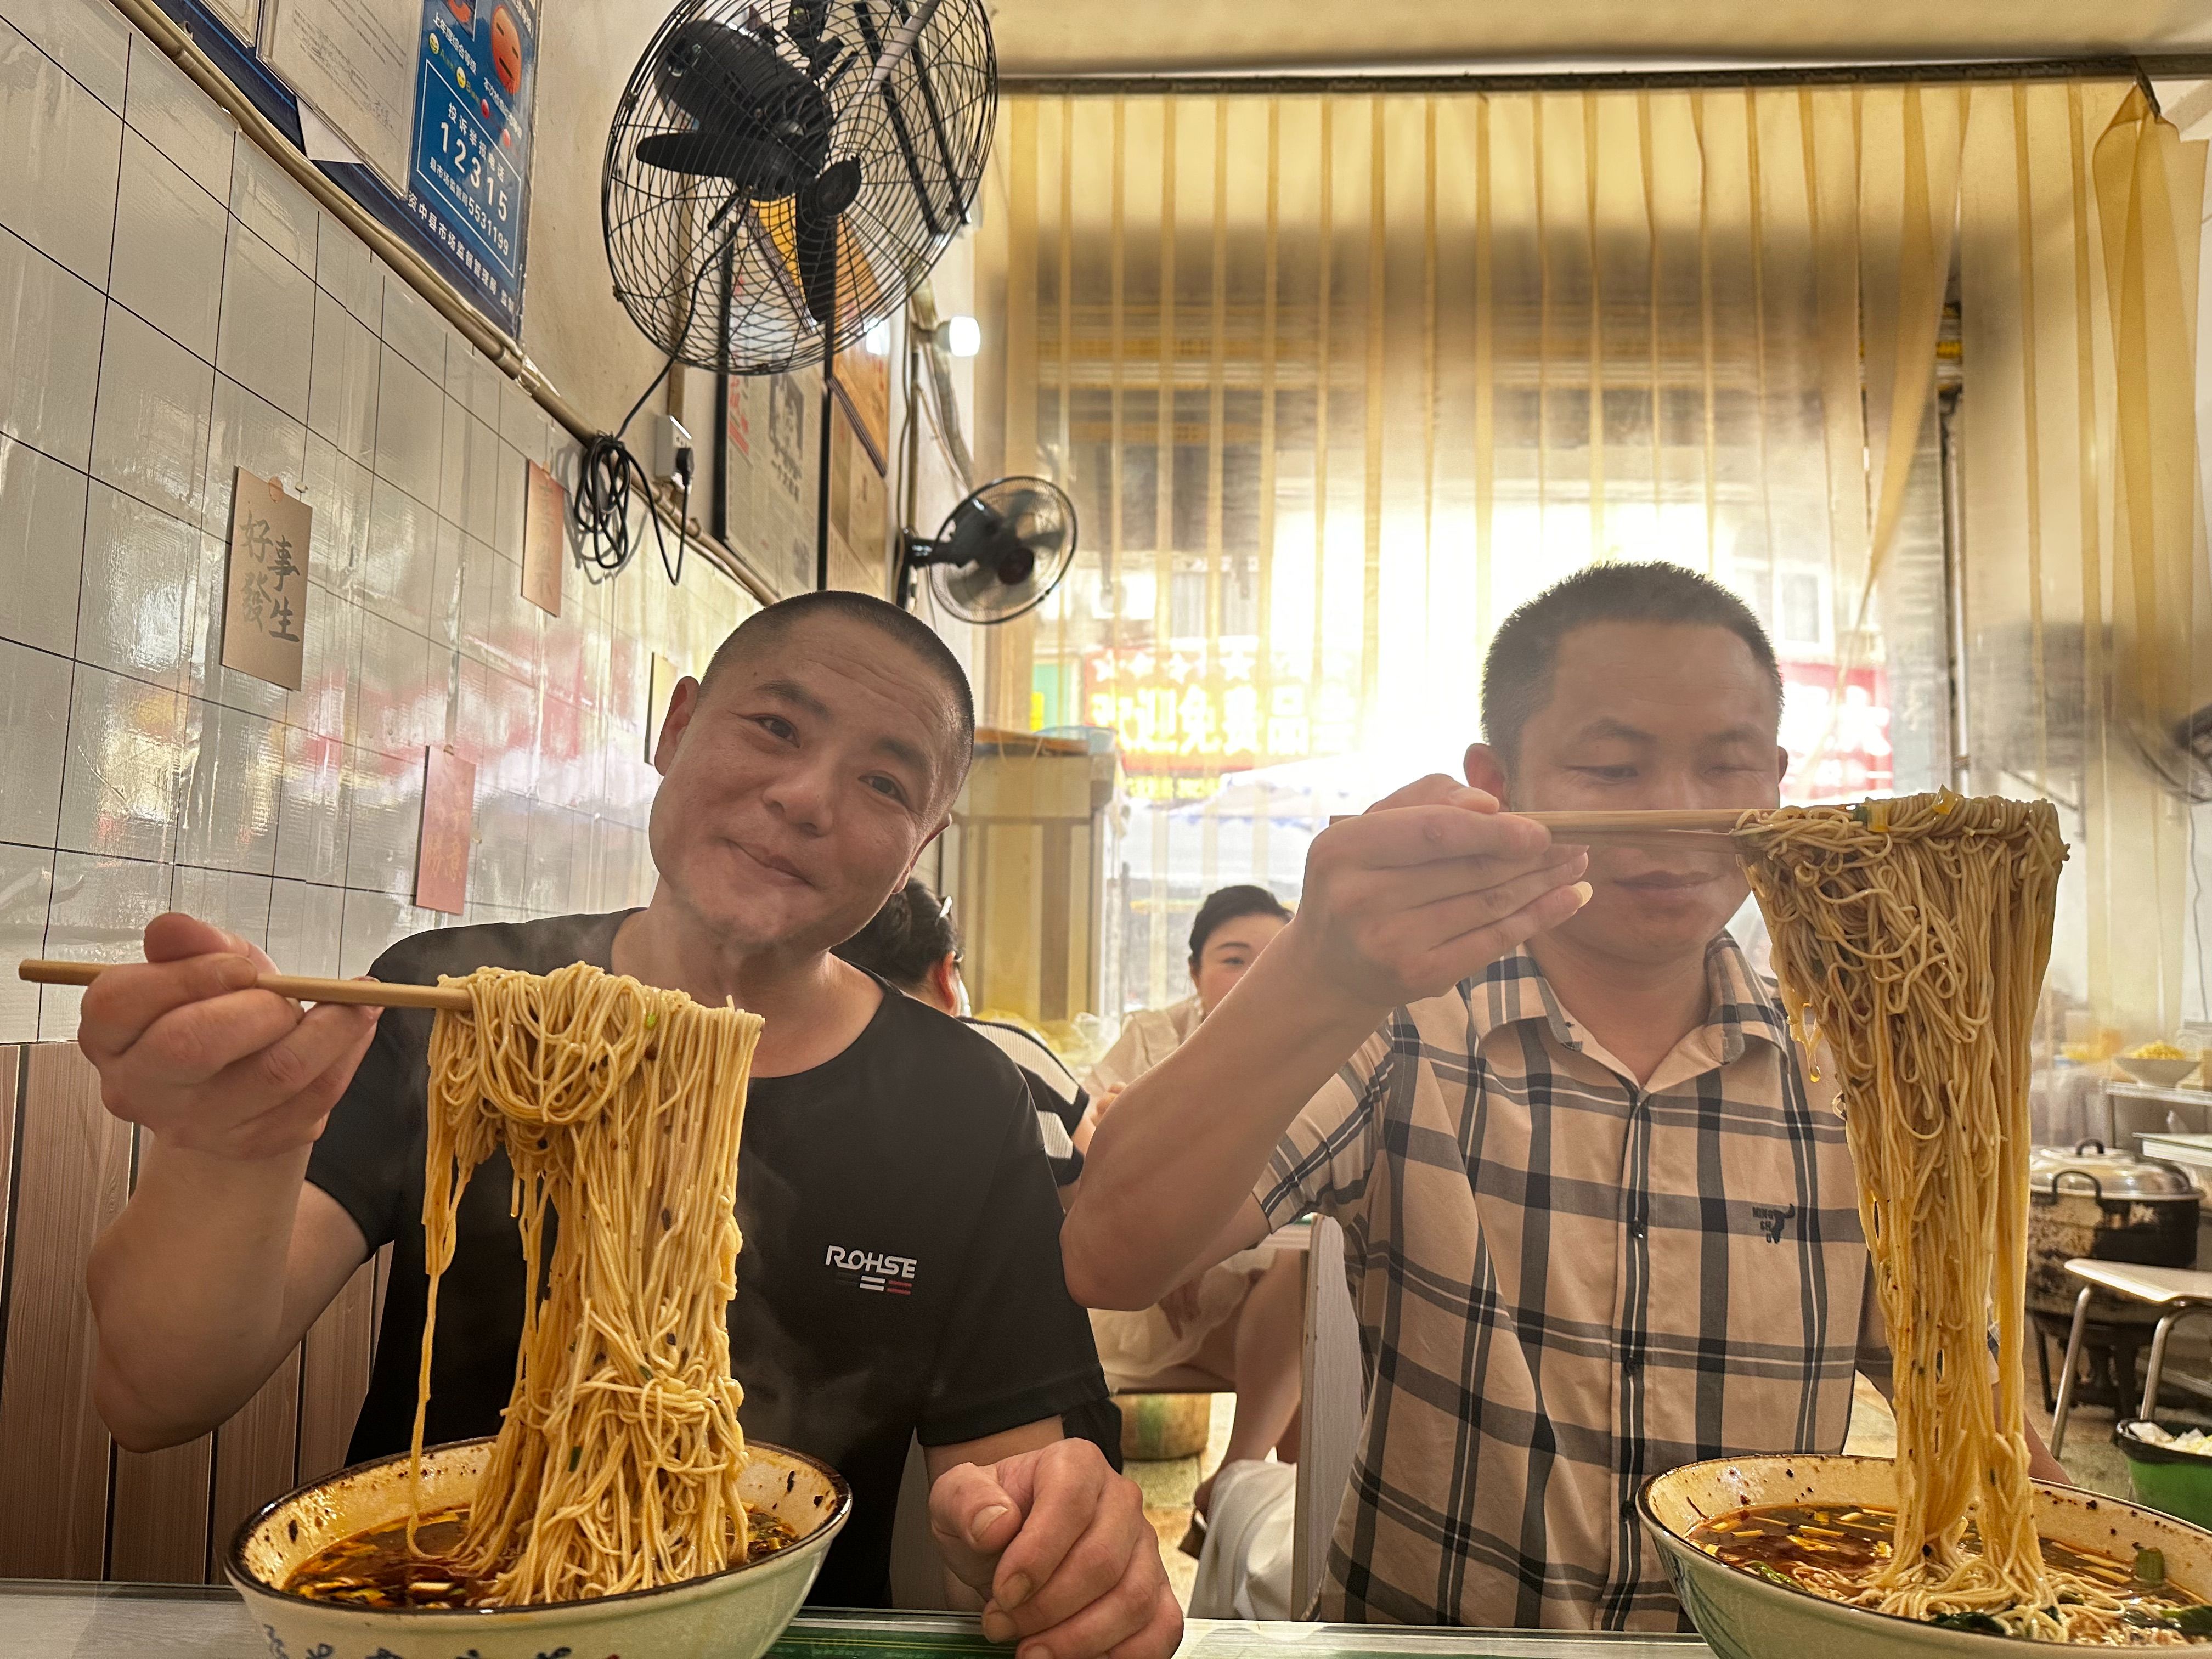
{"x":1226,"y":937}
{"x":1237,"y":1326}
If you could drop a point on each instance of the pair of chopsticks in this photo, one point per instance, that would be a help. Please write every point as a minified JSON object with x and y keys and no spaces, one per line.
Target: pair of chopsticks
{"x":1653,"y":826}
{"x":1659,"y":826}
{"x":365,"y":993}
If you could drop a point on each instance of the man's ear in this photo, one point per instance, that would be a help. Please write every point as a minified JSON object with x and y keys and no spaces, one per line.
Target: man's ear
{"x":946,"y":977}
{"x":1484,"y":771}
{"x":1781,"y":762}
{"x":683,"y":704}
{"x":927,"y":841}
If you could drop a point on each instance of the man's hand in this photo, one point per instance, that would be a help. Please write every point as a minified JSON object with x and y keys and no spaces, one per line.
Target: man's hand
{"x":222,"y":1258}
{"x":187,"y":1049}
{"x":1426,"y":889}
{"x":1058,"y":1546}
{"x":1427,"y":886}
{"x":1180,"y":1304}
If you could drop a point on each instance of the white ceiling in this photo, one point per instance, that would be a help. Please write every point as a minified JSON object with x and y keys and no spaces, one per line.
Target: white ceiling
{"x":1146,"y":37}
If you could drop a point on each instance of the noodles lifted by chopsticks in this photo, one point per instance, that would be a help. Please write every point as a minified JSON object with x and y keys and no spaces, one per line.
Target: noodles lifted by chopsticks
{"x":620,"y":1106}
{"x":1915,"y":932}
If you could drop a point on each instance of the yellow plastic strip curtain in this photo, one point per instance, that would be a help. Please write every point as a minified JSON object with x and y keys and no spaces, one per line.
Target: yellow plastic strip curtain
{"x":1336,"y":380}
{"x":2080,"y":215}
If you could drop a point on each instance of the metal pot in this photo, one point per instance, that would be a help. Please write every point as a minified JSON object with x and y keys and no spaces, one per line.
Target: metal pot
{"x":2110,"y":1206}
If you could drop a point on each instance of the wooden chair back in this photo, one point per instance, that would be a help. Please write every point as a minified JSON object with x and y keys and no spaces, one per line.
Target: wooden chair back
{"x":73,"y":1505}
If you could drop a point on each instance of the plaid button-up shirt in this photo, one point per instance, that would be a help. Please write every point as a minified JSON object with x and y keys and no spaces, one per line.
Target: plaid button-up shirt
{"x":1567,"y":1284}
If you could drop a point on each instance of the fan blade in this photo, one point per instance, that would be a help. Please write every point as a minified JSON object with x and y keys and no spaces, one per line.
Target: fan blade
{"x":1031,"y":514}
{"x":806,"y":23}
{"x":819,"y":234}
{"x":770,"y":224}
{"x":977,"y":588}
{"x":734,"y":81}
{"x":864,"y":295}
{"x":699,"y":152}
{"x":817,"y":266}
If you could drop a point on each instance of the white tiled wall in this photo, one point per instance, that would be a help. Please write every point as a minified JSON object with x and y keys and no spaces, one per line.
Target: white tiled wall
{"x":172,"y":306}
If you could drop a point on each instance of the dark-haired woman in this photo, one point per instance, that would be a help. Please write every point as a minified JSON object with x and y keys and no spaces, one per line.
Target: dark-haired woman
{"x":1226,"y":937}
{"x":1237,"y":1326}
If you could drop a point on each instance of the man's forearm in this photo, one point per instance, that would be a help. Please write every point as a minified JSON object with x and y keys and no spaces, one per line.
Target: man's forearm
{"x":1175,"y":1160}
{"x":188,"y":1288}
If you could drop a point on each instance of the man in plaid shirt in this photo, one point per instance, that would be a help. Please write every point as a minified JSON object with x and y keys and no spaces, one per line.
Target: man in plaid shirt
{"x":1601,"y":1220}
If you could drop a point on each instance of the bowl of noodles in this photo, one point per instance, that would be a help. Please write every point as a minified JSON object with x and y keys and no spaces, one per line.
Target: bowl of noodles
{"x":327,"y":1570}
{"x":1910,"y":937}
{"x":619,"y":1508}
{"x":1784,"y":1554}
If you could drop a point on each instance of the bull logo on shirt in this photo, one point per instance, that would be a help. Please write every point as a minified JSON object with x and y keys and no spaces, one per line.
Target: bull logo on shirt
{"x":1772,"y":1219}
{"x":869,"y":1270}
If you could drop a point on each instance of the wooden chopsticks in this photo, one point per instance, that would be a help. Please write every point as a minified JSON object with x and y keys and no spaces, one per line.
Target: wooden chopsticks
{"x":1654,"y":826}
{"x":301,"y":987}
{"x":1567,"y":825}
{"x":1666,"y":828}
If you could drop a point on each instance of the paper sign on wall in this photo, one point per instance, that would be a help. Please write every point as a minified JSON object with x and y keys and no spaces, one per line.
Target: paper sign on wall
{"x":264,"y":613}
{"x":863,"y":383}
{"x":441,"y":853}
{"x":664,"y":676}
{"x":542,"y":540}
{"x":769,"y":461}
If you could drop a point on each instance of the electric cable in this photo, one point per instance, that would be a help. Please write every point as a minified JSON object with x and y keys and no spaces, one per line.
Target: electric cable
{"x":599,"y":509}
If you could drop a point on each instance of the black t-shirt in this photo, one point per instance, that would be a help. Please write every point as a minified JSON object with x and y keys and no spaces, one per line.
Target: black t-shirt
{"x":901,"y":1274}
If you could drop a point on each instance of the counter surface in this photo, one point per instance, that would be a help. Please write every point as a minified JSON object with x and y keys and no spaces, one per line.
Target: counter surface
{"x":108,"y":1621}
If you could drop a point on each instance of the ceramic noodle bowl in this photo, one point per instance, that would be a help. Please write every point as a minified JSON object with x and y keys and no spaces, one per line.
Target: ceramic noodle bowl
{"x":1742,"y":1616}
{"x":733,"y":1614}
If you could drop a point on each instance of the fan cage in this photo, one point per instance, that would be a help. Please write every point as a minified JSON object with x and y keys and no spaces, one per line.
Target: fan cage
{"x":1036,"y":508}
{"x":713,"y":277}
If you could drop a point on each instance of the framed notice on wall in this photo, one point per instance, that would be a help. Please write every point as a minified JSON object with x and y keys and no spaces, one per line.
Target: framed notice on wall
{"x":244,"y":17}
{"x":863,"y":381}
{"x":859,"y":502}
{"x":770,"y":455}
{"x":264,"y":611}
{"x":420,"y":110}
{"x":354,"y":66}
{"x":475,"y":75}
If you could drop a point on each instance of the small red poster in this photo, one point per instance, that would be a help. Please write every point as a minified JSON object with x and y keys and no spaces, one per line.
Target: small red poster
{"x":449,"y":806}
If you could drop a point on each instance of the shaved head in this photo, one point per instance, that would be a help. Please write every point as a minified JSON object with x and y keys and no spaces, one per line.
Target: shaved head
{"x":767,"y":626}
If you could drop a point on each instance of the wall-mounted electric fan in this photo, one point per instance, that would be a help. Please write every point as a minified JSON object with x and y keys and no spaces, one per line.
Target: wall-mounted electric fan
{"x":1000,"y":552}
{"x":780,"y":176}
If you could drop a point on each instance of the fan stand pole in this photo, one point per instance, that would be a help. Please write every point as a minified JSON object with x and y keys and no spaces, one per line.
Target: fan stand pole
{"x":719,"y":513}
{"x":829,"y":397}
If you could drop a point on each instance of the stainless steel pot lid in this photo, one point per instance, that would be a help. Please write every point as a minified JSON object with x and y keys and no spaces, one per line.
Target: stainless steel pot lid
{"x":2109,"y":1174}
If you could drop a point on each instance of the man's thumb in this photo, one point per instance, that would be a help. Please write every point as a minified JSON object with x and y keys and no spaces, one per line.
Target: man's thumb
{"x":981,"y":1524}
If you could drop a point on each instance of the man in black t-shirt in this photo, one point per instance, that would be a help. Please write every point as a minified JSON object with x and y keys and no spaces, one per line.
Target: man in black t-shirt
{"x":889,"y":1200}
{"x":901,"y":1274}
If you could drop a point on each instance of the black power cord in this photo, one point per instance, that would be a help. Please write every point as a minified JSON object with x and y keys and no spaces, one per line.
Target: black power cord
{"x":599,"y":507}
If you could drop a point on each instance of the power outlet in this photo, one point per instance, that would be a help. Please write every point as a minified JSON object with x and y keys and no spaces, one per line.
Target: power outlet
{"x":670,"y":442}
